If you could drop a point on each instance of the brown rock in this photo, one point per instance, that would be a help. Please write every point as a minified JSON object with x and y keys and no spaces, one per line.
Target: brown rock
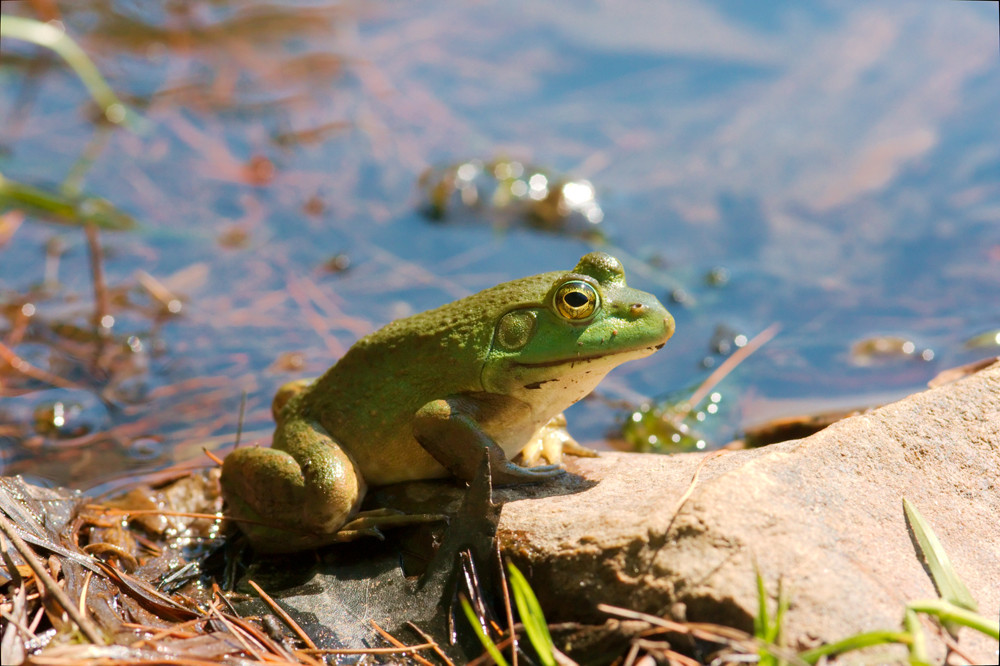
{"x":824,"y":514}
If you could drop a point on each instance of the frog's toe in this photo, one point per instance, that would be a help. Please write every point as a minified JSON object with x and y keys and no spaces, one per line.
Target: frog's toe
{"x":531,"y":454}
{"x":371,"y":523}
{"x":511,"y":474}
{"x":545,"y":470}
{"x":345,"y":535}
{"x":573,"y":448}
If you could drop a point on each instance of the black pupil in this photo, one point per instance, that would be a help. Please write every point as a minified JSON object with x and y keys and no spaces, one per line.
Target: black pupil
{"x":576,"y":299}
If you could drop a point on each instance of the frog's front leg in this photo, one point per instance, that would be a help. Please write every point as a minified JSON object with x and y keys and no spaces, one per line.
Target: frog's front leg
{"x":296,"y":494}
{"x":451,"y":430}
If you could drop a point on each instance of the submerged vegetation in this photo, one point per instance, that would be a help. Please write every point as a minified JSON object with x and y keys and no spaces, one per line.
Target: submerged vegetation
{"x":54,"y":37}
{"x":66,"y":204}
{"x":511,"y":193}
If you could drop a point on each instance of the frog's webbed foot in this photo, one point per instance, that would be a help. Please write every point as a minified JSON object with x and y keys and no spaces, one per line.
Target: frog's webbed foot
{"x":370,"y":523}
{"x":450,"y":430}
{"x":551,"y":442}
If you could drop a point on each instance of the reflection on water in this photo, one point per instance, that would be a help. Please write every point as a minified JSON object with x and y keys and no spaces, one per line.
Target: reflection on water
{"x":837,"y":163}
{"x":508,"y":192}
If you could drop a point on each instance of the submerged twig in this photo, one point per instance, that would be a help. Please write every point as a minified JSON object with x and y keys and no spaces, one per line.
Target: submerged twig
{"x":730,"y":363}
{"x":101,"y":305}
{"x":7,"y":354}
{"x":44,"y":34}
{"x":240,"y":419}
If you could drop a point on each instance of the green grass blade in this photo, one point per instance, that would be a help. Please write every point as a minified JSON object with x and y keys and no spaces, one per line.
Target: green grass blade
{"x":918,"y":641}
{"x":855,"y":642}
{"x":768,"y":630}
{"x":950,"y":613}
{"x":946,"y":580}
{"x":774,"y":636}
{"x":72,"y":210}
{"x":47,"y":35}
{"x":487,"y":642}
{"x":531,"y":616}
{"x":761,"y":622}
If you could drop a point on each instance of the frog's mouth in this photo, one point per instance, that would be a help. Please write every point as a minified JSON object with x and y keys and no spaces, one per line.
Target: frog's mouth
{"x":584,"y":359}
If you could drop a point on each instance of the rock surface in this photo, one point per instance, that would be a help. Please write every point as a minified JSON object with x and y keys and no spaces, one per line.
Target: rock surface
{"x":824,"y":514}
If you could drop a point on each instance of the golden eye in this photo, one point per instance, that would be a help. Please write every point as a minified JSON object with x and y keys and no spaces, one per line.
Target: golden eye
{"x":576,"y":300}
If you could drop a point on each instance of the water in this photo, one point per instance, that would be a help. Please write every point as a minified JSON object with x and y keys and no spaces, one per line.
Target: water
{"x":841,"y":161}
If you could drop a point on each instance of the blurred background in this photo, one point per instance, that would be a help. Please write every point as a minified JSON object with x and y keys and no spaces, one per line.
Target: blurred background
{"x":297,"y":174}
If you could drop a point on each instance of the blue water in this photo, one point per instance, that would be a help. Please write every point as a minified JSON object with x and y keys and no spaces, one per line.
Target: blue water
{"x":841,"y":160}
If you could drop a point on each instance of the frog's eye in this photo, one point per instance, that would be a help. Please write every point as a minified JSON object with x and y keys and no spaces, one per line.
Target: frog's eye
{"x":576,"y":300}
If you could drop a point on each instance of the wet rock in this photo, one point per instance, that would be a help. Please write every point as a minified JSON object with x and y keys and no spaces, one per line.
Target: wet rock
{"x":824,"y":514}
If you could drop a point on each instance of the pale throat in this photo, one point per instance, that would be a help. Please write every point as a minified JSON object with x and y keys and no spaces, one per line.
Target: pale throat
{"x":568,"y":384}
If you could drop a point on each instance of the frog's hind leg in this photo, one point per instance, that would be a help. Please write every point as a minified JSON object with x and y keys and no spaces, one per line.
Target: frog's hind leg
{"x":295,"y":495}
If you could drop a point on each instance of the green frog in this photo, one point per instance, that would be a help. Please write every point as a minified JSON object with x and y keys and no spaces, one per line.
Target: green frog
{"x":422,"y":397}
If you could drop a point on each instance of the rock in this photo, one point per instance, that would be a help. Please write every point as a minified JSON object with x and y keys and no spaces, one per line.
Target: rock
{"x":823,"y":514}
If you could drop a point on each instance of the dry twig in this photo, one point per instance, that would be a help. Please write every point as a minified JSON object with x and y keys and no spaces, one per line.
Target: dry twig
{"x":51,"y":586}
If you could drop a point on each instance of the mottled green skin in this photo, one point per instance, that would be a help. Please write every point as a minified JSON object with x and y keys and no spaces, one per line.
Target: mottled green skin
{"x":420,"y":398}
{"x":381,"y":382}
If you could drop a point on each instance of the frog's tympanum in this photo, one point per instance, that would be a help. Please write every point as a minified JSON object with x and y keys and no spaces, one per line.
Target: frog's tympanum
{"x":422,"y":397}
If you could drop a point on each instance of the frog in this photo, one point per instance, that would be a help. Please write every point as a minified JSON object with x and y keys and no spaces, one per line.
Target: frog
{"x":424,"y":396}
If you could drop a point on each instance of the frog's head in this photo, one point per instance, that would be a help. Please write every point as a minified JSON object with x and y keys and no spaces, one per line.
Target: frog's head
{"x":557,"y":347}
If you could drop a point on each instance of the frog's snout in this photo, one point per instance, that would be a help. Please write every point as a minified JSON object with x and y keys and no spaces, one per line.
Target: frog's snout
{"x":651,"y":314}
{"x":668,"y":327}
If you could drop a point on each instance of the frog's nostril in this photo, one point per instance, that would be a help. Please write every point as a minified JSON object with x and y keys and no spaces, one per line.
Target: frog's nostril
{"x":637,"y":310}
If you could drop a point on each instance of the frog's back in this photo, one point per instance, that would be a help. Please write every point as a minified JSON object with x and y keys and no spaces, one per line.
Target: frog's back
{"x":368,"y":399}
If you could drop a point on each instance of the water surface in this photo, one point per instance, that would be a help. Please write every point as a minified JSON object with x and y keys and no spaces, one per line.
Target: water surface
{"x":840,"y":160}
